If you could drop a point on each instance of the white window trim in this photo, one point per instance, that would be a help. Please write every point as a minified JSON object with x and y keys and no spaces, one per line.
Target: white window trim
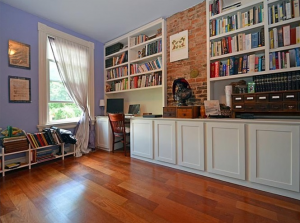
{"x":44,"y":32}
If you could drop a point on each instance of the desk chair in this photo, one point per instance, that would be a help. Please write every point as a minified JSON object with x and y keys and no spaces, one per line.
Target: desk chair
{"x":117,"y":123}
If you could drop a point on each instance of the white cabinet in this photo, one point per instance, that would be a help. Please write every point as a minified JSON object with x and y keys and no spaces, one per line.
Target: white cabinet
{"x":103,"y":133}
{"x":190,"y":144}
{"x":226,"y":149}
{"x":274,"y":155}
{"x":165,"y":141}
{"x":141,"y":138}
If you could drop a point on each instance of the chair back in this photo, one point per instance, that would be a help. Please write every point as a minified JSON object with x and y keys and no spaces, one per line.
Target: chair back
{"x":117,"y":123}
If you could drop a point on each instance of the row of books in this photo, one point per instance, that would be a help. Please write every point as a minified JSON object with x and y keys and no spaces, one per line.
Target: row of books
{"x":240,"y":42}
{"x":284,"y":59}
{"x":237,"y":65}
{"x":283,"y":10}
{"x":45,"y":138}
{"x":120,"y":59}
{"x":44,"y":155}
{"x":284,"y":36}
{"x":117,"y":72}
{"x":240,"y":20}
{"x":277,"y":82}
{"x":215,"y":7}
{"x":117,"y":85}
{"x":138,"y":39}
{"x":144,"y":67}
{"x":152,"y":79}
{"x":151,"y":48}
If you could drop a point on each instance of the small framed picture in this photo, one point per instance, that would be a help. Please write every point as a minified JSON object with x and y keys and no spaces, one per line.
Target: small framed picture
{"x":251,"y":87}
{"x":212,"y":107}
{"x":19,"y":89}
{"x":18,"y":54}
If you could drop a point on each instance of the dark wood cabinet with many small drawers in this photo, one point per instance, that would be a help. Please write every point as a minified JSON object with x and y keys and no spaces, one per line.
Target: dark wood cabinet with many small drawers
{"x":281,"y":103}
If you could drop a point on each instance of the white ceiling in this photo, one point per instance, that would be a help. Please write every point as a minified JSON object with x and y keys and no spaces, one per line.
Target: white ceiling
{"x":102,"y":20}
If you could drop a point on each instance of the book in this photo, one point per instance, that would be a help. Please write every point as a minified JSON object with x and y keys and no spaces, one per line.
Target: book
{"x":298,"y":34}
{"x":286,"y":35}
{"x":293,"y":36}
{"x":292,"y":57}
{"x":296,"y":8}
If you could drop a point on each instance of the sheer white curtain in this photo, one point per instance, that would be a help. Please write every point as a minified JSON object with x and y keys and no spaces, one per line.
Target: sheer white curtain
{"x":72,"y":61}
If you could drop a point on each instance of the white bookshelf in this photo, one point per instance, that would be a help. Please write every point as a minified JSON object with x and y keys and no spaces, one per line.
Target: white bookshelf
{"x":151,"y":98}
{"x":216,"y":85}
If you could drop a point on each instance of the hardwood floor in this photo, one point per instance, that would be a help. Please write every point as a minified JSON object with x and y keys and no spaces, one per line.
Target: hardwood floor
{"x":105,"y":187}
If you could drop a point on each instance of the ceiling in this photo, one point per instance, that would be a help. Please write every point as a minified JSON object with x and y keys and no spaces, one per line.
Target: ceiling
{"x":102,"y":20}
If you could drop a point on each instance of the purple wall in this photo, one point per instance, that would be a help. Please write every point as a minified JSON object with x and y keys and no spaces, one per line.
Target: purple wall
{"x":23,"y":27}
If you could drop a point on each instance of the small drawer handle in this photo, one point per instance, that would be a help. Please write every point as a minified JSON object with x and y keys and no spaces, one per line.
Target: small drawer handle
{"x":291,"y":106}
{"x":249,"y":98}
{"x":290,"y":96}
{"x":275,"y":96}
{"x":238,"y":106}
{"x":262,"y":98}
{"x":276,"y":107}
{"x":237,"y":99}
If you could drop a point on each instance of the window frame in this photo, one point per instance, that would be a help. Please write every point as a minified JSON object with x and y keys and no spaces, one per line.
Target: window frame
{"x":44,"y":32}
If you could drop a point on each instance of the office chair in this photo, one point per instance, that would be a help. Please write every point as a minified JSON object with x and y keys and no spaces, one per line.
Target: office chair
{"x":117,"y":123}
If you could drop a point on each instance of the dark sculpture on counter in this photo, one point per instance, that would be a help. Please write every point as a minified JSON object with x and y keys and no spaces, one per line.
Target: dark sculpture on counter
{"x":183,"y":92}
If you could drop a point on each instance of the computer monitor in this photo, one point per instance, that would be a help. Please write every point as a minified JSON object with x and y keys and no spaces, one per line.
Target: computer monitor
{"x":115,"y":105}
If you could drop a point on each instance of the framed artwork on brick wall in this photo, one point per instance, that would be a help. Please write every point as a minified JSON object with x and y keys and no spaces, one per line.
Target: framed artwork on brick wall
{"x":179,"y":46}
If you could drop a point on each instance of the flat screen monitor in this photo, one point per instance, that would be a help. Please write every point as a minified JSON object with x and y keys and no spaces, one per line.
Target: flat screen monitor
{"x":115,"y":105}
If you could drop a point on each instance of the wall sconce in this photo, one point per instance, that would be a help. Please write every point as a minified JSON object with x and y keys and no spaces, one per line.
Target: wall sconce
{"x":101,"y":103}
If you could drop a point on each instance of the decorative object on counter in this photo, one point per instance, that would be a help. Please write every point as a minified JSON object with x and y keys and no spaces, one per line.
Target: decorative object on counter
{"x":228,"y":92}
{"x":183,"y":91}
{"x":202,"y":112}
{"x":251,"y":87}
{"x":225,"y":110}
{"x":236,"y":86}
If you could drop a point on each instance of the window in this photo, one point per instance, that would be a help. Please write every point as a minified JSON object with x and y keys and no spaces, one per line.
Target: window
{"x":60,"y":105}
{"x":55,"y":105}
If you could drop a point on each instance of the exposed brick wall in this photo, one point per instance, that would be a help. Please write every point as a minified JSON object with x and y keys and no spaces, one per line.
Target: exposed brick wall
{"x":193,"y":20}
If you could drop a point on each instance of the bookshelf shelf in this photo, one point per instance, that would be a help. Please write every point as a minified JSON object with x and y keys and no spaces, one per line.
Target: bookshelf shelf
{"x":116,"y":79}
{"x":285,"y":22}
{"x":285,"y":48}
{"x":22,"y":151}
{"x":119,"y":65}
{"x":117,"y":53}
{"x":259,"y":25}
{"x":146,"y":40}
{"x":21,"y":166}
{"x":216,"y":85}
{"x":148,"y":72}
{"x":258,"y":49}
{"x":145,"y":43}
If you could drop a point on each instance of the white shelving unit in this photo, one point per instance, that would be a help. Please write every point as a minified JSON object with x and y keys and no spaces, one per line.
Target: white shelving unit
{"x":216,"y":85}
{"x":27,"y":158}
{"x":151,"y":98}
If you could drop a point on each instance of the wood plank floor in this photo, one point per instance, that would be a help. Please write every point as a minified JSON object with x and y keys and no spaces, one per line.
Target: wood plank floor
{"x":105,"y":187}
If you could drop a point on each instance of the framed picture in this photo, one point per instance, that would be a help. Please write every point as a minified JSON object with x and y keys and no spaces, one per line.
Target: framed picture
{"x":179,"y":46}
{"x":18,"y":54}
{"x":212,"y":107}
{"x":19,"y":89}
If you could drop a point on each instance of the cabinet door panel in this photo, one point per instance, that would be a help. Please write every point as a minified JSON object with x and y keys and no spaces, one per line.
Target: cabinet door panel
{"x":190,"y":144}
{"x":164,"y":141}
{"x":274,"y":155}
{"x":103,"y":132}
{"x":141,"y":138}
{"x":226,"y":149}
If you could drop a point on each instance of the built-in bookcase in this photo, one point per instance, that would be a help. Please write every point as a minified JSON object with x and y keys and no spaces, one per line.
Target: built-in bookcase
{"x":263,"y":53}
{"x":140,"y":78}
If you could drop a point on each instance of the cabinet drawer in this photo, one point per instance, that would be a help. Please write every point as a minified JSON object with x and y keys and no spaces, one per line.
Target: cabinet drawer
{"x":275,"y":107}
{"x":184,"y":113}
{"x":275,"y":97}
{"x":262,"y":107}
{"x":299,"y":106}
{"x":250,"y":107}
{"x":290,"y":106}
{"x":169,"y":112}
{"x":237,"y":98}
{"x":238,"y":107}
{"x":262,"y":98}
{"x":251,"y":98}
{"x":292,"y":96}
